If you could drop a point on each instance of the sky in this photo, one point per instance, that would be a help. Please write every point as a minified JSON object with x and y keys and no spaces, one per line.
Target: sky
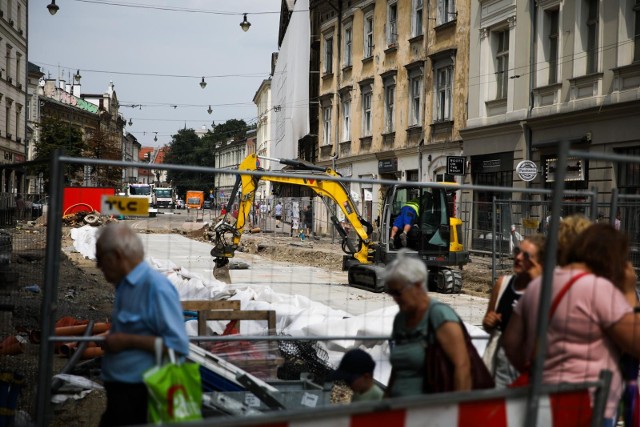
{"x":144,"y":51}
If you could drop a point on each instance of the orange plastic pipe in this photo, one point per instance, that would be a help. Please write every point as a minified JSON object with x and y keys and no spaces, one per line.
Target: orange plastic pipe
{"x":92,"y":352}
{"x":79,"y":329}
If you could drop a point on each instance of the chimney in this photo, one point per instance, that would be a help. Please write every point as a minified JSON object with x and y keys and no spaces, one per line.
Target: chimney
{"x":62,"y":84}
{"x":76,"y":89}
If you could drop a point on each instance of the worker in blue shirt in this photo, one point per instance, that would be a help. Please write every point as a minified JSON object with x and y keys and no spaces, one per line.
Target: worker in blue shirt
{"x":404,"y":221}
{"x":146,"y":315}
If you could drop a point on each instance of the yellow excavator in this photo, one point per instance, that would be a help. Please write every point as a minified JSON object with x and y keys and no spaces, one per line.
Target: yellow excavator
{"x":435,"y":237}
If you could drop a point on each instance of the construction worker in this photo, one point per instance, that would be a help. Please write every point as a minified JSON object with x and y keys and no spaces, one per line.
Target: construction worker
{"x":404,"y":221}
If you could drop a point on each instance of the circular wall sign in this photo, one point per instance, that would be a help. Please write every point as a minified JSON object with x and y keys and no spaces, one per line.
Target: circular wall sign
{"x":527,"y":170}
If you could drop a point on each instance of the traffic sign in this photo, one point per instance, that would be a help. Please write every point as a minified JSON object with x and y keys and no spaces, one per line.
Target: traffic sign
{"x":130,"y":206}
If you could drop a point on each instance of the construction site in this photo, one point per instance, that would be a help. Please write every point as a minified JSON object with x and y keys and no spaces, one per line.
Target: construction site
{"x":269,"y":314}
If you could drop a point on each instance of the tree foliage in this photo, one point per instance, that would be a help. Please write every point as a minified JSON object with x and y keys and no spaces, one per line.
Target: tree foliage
{"x":57,"y":134}
{"x":187,"y":149}
{"x":100,"y":146}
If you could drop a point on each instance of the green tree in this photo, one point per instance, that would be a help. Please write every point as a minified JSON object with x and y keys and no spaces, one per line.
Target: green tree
{"x":101,"y":146}
{"x":231,"y":130}
{"x":186,"y":148}
{"x":57,"y":134}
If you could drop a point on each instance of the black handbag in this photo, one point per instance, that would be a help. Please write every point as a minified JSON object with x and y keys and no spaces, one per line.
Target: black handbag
{"x":438,"y":369}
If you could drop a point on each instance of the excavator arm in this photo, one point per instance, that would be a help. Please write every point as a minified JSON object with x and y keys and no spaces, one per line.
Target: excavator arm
{"x":228,"y":235}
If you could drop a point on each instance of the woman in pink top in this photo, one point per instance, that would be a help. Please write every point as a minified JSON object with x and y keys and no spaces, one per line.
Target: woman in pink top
{"x":594,"y":321}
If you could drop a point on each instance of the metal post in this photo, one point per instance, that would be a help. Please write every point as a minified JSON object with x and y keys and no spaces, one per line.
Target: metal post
{"x":494,"y":228}
{"x":613,"y":210}
{"x":49,"y":298}
{"x":542,"y":324}
{"x":594,"y":203}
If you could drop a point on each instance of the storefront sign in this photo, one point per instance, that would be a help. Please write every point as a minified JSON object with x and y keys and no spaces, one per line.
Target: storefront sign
{"x":575,"y":170}
{"x":527,"y":170}
{"x":456,"y":165}
{"x":388,"y":165}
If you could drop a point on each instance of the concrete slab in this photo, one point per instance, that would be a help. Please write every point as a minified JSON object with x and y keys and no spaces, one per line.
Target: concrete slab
{"x":324,"y":286}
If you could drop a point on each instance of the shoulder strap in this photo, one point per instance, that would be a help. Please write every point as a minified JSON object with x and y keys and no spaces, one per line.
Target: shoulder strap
{"x":563,"y":291}
{"x":506,"y":281}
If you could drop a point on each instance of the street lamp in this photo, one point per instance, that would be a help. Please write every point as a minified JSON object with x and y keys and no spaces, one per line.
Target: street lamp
{"x":155,"y":138}
{"x":203,"y":84}
{"x":209,"y":110}
{"x":53,"y":7}
{"x":245,"y":24}
{"x":130,"y":122}
{"x":77,"y":77}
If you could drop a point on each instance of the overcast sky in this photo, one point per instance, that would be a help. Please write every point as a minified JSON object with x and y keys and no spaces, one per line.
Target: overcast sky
{"x":107,"y":43}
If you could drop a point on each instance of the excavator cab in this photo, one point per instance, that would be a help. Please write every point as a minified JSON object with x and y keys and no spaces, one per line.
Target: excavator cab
{"x":434,"y":237}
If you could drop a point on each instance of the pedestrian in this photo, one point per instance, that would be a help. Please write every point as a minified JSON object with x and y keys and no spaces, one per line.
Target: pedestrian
{"x":19,"y":206}
{"x":406,"y":282}
{"x":146,"y":314}
{"x":278,"y":214}
{"x":570,"y":229}
{"x":403,"y":223}
{"x":527,"y":265}
{"x":307,"y":219}
{"x":356,"y":369}
{"x":593,"y":320}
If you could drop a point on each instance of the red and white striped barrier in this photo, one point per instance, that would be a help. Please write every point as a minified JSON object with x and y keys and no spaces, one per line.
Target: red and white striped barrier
{"x":567,"y":409}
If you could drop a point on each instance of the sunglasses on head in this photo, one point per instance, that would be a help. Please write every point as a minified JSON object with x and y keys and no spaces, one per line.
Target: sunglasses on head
{"x":517,"y":251}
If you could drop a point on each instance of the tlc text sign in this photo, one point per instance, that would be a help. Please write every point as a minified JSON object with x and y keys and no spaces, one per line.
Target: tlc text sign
{"x":129,"y":206}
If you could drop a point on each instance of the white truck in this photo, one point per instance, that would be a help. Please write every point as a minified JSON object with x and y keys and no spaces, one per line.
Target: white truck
{"x":143,"y":191}
{"x":163,"y":197}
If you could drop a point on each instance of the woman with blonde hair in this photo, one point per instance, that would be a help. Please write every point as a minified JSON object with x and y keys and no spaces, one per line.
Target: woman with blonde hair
{"x":593,"y":321}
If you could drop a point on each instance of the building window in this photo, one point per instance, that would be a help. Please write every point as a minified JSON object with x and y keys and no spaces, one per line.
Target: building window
{"x":366,"y":111}
{"x":18,"y":72}
{"x":415,"y":98}
{"x":346,"y":120}
{"x":592,"y":35}
{"x":348,"y":45}
{"x":443,"y":88}
{"x":416,"y":20}
{"x":446,"y":11}
{"x":392,"y":23}
{"x":368,"y":36}
{"x":552,"y":17}
{"x":389,"y":101}
{"x":502,"y":63}
{"x":636,"y":32}
{"x":326,"y":125}
{"x":328,"y":55}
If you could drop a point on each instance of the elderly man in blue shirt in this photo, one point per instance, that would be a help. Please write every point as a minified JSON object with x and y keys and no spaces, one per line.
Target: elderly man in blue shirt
{"x":146,"y":313}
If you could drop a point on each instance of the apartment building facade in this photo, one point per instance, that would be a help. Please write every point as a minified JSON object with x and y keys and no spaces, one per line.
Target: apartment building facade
{"x":547,"y":71}
{"x":13,"y":92}
{"x":392,"y":89}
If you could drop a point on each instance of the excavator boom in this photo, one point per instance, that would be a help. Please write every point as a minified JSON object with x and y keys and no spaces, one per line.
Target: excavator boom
{"x":228,"y":235}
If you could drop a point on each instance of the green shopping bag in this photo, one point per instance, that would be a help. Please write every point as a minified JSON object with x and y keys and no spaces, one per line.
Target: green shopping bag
{"x":175,"y":391}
